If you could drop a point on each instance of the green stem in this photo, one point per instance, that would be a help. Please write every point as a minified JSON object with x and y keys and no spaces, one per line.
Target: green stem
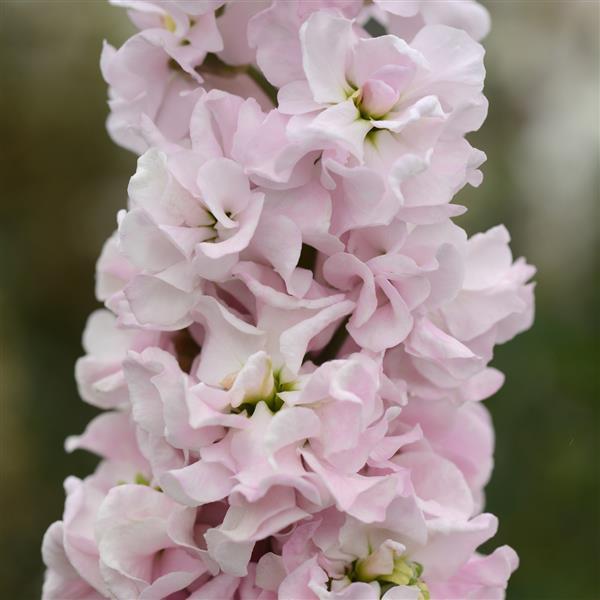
{"x":261,"y":81}
{"x":214,"y":65}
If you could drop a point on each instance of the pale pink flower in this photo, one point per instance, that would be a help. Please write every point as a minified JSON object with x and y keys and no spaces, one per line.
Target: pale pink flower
{"x":387,"y":122}
{"x":113,"y":270}
{"x":405,"y":18}
{"x":275,"y":33}
{"x":62,"y":580}
{"x":112,"y":435}
{"x":146,"y":543}
{"x":336,"y":557}
{"x":146,"y":93}
{"x":175,"y":411}
{"x":99,"y":374}
{"x":496,"y":298}
{"x":122,"y":538}
{"x":480,"y":578}
{"x":155,"y":78}
{"x":174,"y":237}
{"x":184,"y":228}
{"x":285,"y":328}
{"x":392,"y":272}
{"x":244,"y":439}
{"x":186,"y":32}
{"x":249,"y":451}
{"x":78,"y":545}
{"x":450,"y":346}
{"x":233,"y":24}
{"x":462,"y":434}
{"x":216,"y":25}
{"x":354,"y":85}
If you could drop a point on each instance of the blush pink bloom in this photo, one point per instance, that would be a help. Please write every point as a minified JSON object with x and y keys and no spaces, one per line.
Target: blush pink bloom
{"x":146,"y":543}
{"x":155,"y":76}
{"x":461,"y":434}
{"x":239,"y":449}
{"x":185,"y":32}
{"x":297,"y":338}
{"x":275,"y":33}
{"x":393,"y":272}
{"x":406,"y":18}
{"x":449,"y":348}
{"x":173,"y":244}
{"x":481,"y":577}
{"x":76,"y":542}
{"x":146,"y":92}
{"x":99,"y":374}
{"x":62,"y":579}
{"x":218,"y":25}
{"x":353,"y":85}
{"x":334,"y":556}
{"x":388,"y":121}
{"x":121,"y":538}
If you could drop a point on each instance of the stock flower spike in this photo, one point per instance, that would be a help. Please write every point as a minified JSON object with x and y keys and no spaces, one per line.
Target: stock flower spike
{"x":296,"y":336}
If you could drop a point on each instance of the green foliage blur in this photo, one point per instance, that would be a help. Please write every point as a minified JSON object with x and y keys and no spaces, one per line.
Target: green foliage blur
{"x":63,"y":181}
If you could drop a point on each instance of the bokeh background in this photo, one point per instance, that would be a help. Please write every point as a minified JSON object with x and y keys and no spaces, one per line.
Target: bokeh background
{"x":62,"y":182}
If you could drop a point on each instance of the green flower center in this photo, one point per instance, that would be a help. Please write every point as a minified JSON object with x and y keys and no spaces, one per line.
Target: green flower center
{"x":273,"y":400}
{"x":405,"y":572}
{"x":140,"y":479}
{"x":169,"y":23}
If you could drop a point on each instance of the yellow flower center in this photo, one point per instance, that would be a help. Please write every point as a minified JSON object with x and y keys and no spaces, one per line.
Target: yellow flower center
{"x":169,"y":23}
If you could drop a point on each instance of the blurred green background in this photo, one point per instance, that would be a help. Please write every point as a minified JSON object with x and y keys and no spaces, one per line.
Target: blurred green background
{"x":63,"y":180}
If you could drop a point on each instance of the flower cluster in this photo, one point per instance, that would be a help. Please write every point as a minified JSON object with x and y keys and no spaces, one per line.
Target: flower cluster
{"x":296,"y":336}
